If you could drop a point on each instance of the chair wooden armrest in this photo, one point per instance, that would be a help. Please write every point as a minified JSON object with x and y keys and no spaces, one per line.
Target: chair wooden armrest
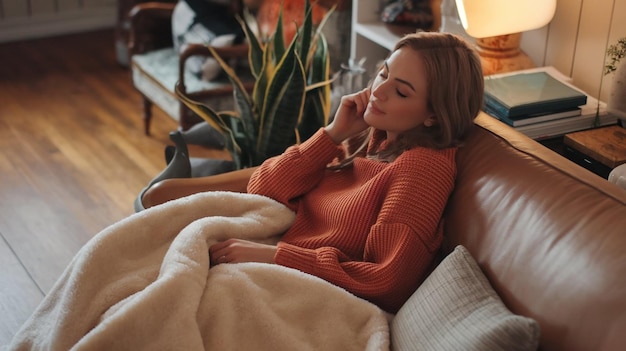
{"x":226,"y":53}
{"x":171,"y":189}
{"x":150,"y":26}
{"x":237,"y":51}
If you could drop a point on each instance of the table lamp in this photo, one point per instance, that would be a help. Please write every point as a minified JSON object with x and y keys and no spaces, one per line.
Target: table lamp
{"x":497,"y":27}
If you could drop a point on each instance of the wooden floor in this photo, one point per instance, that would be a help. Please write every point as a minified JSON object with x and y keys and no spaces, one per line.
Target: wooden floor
{"x":73,"y":157}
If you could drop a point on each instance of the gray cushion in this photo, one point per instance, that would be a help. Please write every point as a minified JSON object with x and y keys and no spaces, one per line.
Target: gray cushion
{"x":155,"y":74}
{"x":163,"y":65}
{"x":457,"y":309}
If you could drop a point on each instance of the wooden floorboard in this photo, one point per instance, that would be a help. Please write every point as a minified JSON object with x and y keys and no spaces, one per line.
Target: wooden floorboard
{"x":73,"y":157}
{"x":18,"y":293}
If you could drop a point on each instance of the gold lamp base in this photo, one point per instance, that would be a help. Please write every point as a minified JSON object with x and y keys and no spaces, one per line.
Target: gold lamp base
{"x":502,"y":54}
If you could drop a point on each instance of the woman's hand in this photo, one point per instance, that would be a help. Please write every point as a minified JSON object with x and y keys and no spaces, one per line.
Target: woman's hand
{"x":348,"y":119}
{"x":237,"y":251}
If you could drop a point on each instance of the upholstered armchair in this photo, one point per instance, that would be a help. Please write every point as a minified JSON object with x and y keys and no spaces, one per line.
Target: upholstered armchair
{"x":156,"y":67}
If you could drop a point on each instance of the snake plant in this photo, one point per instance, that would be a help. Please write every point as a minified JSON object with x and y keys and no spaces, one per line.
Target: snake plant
{"x":290,"y":99}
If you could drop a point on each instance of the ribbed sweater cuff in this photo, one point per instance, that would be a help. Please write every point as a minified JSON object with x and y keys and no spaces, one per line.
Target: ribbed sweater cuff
{"x":320,"y":147}
{"x":294,"y":257}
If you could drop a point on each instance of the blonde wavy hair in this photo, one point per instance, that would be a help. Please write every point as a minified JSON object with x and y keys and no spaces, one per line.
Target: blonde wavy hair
{"x":455,"y":80}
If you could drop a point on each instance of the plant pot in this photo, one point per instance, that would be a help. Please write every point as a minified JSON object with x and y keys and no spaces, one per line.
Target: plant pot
{"x":616,"y":103}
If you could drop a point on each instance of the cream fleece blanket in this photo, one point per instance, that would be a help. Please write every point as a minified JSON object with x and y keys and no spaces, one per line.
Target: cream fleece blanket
{"x":144,"y":284}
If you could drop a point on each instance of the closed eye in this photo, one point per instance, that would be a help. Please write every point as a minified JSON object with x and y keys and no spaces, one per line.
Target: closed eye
{"x":383,"y":74}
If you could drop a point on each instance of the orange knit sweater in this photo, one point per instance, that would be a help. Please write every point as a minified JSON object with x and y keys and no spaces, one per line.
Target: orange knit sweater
{"x":373,"y":228}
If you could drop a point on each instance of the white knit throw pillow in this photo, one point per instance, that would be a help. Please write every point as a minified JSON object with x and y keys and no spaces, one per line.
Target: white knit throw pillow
{"x":457,"y":309}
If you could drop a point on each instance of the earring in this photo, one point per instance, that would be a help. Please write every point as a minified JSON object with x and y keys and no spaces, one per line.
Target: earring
{"x":430,"y":121}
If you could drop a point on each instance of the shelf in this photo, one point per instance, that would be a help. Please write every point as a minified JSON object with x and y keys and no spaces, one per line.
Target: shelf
{"x":378,"y":33}
{"x":371,"y":38}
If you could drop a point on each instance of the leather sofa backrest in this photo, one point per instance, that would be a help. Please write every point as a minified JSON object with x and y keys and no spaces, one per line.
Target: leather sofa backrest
{"x":549,"y":235}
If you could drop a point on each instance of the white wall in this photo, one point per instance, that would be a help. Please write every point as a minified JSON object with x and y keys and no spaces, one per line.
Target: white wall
{"x":28,"y":19}
{"x":575,"y":41}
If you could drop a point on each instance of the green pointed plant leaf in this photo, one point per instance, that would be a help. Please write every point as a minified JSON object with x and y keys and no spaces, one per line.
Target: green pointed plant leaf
{"x":240,"y":152}
{"x":220,"y":121}
{"x":317,"y":112}
{"x":260,"y":86}
{"x":290,"y":99}
{"x":284,"y":105}
{"x":318,"y":85}
{"x":203,"y":111}
{"x":321,"y":25}
{"x":318,"y":35}
{"x":323,"y":75}
{"x":255,"y":53}
{"x":319,"y":69}
{"x":313,"y":116}
{"x":247,"y":112}
{"x":243,"y":101}
{"x":232,"y":75}
{"x":306,"y":30}
{"x":281,"y":131}
{"x":278,"y":39}
{"x":278,"y":79}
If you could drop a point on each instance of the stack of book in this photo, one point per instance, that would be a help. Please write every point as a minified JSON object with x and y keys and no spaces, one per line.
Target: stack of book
{"x":541,"y":103}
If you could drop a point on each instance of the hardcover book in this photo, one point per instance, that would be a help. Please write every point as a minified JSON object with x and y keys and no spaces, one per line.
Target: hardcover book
{"x":521,"y":95}
{"x":593,"y":111}
{"x":541,"y":117}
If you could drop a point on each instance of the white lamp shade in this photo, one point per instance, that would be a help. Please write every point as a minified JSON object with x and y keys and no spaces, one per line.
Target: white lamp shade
{"x":488,"y":18}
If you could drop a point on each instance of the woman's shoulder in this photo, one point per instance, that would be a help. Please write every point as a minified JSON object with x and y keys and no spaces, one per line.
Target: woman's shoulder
{"x":424,"y":154}
{"x":426,"y":162}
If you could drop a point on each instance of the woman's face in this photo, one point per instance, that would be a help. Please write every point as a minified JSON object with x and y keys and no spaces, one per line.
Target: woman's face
{"x":398,"y":100}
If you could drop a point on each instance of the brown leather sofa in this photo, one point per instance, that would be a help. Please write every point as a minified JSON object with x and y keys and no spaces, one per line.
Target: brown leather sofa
{"x":549,"y":235}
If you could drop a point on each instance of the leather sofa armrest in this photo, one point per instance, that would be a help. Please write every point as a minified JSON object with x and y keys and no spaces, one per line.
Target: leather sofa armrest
{"x":150,"y":26}
{"x":171,"y":189}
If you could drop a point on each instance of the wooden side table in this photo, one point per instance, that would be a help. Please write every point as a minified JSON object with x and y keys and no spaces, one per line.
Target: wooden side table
{"x":599,"y":150}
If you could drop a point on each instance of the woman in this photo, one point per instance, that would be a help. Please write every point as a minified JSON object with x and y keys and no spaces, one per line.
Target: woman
{"x":370,"y":221}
